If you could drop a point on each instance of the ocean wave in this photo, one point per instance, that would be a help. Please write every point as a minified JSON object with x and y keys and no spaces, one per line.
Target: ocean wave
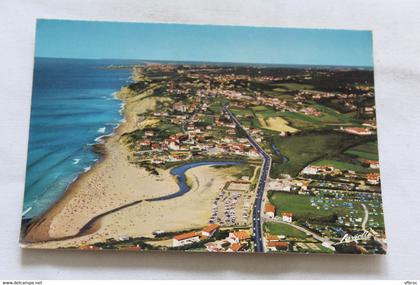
{"x":82,"y":114}
{"x":26,"y":211}
{"x":122,"y":105}
{"x":100,"y":138}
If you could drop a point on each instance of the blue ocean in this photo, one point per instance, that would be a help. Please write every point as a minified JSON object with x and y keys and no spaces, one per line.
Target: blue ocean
{"x":73,"y":105}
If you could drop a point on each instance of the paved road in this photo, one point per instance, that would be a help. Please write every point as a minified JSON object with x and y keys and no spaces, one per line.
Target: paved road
{"x":265,"y":170}
{"x":324,"y":240}
{"x":365,"y":219}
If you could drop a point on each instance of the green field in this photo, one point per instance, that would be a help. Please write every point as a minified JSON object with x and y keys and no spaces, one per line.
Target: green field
{"x":260,"y":108}
{"x":216,"y":106}
{"x":279,"y":93}
{"x":299,"y":205}
{"x":266,"y":113}
{"x":247,"y":117}
{"x":167,"y":129}
{"x":328,"y":117}
{"x":205,"y":121}
{"x":242,"y":112}
{"x":352,"y":158}
{"x":331,"y":116}
{"x":301,"y":121}
{"x":273,"y":228}
{"x":238,"y":171}
{"x":365,"y":151}
{"x":293,"y":86}
{"x":306,"y":148}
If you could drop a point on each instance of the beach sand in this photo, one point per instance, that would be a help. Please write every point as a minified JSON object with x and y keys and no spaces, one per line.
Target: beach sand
{"x":189,"y":211}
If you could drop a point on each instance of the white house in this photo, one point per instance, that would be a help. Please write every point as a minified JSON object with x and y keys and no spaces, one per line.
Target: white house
{"x":187,"y":238}
{"x":173,"y":145}
{"x":269,"y":210}
{"x":239,"y":236}
{"x":287,"y":217}
{"x":149,"y":133}
{"x":310,"y":170}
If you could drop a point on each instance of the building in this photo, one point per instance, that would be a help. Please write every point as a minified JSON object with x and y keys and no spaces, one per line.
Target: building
{"x":371,"y":163}
{"x":320,"y":170}
{"x":357,"y":131}
{"x":274,"y":237}
{"x":149,"y":133}
{"x":286,"y":217}
{"x":310,"y":170}
{"x":279,"y":185}
{"x":214,"y":247}
{"x":180,"y":107}
{"x":186,"y":238}
{"x":145,"y":143}
{"x":277,"y":245}
{"x":373,"y":178}
{"x":234,"y":247}
{"x":210,"y":230}
{"x":239,"y":236}
{"x":269,"y":210}
{"x":173,"y":145}
{"x":132,"y":248}
{"x":90,"y":247}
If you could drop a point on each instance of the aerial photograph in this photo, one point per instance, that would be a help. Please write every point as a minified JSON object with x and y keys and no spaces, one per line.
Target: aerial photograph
{"x":169,"y":137}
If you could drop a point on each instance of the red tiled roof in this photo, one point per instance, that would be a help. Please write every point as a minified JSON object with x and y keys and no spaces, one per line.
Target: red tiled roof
{"x":241,"y":235}
{"x":287,"y":214}
{"x":372,"y":175}
{"x":235,"y":247}
{"x":211,"y":228}
{"x":272,"y":238}
{"x":277,"y":244}
{"x":185,"y":236}
{"x":269,"y":208}
{"x":132,"y":248}
{"x":371,"y":161}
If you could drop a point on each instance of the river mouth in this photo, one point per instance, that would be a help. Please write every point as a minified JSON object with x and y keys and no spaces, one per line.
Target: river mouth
{"x":179,"y":173}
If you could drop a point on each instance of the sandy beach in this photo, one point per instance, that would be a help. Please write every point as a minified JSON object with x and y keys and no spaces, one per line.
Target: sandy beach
{"x":192,"y":210}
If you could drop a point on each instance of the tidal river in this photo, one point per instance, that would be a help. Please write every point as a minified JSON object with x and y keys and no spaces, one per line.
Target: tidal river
{"x":179,"y":173}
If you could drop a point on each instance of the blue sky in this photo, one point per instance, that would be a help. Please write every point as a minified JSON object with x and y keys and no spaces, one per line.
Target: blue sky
{"x":116,"y":40}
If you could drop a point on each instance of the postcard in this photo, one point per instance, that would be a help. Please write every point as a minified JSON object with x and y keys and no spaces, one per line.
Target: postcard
{"x":204,"y":138}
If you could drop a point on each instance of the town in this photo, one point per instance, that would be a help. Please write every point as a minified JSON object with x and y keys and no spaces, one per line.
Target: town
{"x":318,"y":128}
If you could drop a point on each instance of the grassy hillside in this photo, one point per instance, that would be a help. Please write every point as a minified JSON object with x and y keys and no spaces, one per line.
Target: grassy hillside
{"x":302,"y":149}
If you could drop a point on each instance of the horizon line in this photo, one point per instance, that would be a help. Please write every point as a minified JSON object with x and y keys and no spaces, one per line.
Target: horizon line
{"x":213,"y":62}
